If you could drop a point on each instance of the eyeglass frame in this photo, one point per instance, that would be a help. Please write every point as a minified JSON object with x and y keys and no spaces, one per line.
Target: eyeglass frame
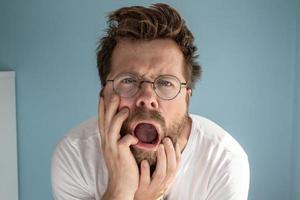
{"x":141,"y":81}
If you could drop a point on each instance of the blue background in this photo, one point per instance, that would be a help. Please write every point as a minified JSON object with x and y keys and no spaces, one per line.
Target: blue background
{"x":250,"y":52}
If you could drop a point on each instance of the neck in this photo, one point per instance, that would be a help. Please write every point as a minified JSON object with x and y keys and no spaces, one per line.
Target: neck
{"x":184,"y":136}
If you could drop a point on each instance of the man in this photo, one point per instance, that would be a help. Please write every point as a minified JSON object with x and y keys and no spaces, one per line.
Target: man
{"x":144,"y":145}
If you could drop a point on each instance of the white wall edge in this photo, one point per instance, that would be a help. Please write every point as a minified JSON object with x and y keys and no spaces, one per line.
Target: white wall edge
{"x":7,"y":74}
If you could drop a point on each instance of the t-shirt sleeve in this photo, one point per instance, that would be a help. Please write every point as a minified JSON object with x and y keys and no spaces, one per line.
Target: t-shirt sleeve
{"x":232,"y":182}
{"x":68,"y":182}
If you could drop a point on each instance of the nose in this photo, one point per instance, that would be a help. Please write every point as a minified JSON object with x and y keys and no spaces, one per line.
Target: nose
{"x":146,"y":96}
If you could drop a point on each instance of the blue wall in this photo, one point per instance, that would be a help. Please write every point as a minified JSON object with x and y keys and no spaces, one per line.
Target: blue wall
{"x":296,"y":144}
{"x":248,"y":53}
{"x":7,"y":34}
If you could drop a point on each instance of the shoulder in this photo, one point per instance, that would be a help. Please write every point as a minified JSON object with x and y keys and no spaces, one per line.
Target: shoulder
{"x":84,"y":130}
{"x":85,"y":133}
{"x":75,"y":162}
{"x":210,"y":132}
{"x":223,"y":158}
{"x":81,"y":143}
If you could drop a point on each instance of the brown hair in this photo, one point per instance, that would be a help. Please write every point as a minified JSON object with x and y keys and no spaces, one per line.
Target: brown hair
{"x":159,"y":21}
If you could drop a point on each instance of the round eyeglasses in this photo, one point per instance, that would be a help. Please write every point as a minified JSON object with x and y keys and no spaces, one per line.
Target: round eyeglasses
{"x":166,"y":87}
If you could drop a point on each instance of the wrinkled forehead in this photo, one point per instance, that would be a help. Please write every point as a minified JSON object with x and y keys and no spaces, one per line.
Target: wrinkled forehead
{"x":147,"y":59}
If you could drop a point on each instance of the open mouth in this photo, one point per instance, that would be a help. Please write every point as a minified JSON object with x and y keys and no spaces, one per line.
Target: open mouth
{"x":147,"y":134}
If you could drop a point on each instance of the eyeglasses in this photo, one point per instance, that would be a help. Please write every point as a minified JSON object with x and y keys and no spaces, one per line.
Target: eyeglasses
{"x":166,"y":87}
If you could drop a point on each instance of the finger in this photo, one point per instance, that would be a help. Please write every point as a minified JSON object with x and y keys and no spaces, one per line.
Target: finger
{"x":145,"y":174}
{"x":101,"y":117}
{"x":111,"y":107}
{"x":171,"y":157}
{"x":116,"y":124}
{"x":127,"y":141}
{"x":160,"y":170}
{"x":178,"y":153}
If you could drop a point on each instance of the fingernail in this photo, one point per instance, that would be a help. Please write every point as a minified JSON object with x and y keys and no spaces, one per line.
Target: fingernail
{"x":167,"y":140}
{"x":114,"y":98}
{"x":125,"y":110}
{"x":161,"y":148}
{"x":144,"y":163}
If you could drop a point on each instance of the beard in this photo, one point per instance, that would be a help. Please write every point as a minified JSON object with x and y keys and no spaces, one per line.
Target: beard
{"x":173,"y":131}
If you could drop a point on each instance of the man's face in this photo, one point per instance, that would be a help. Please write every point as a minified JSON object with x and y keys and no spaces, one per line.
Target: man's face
{"x":151,"y":118}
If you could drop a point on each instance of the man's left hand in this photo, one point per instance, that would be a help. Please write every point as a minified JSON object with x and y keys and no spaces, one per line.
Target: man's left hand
{"x":153,"y":188}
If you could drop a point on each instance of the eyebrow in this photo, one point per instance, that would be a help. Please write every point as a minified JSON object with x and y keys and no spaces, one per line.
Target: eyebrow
{"x":141,"y":76}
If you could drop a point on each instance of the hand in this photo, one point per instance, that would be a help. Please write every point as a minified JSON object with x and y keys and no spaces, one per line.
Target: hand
{"x":167,"y":163}
{"x":123,"y":173}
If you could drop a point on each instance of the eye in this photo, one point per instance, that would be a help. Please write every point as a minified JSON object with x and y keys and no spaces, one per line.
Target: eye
{"x":164,"y":83}
{"x":128,"y":80}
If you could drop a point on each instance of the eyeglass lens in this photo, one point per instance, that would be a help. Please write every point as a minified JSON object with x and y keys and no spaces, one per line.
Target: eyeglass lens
{"x":165,"y":86}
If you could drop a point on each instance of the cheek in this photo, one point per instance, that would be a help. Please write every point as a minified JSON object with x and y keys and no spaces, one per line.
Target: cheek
{"x":174,"y":111}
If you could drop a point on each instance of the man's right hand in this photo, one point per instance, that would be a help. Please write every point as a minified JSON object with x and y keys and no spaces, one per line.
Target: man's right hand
{"x":123,"y":172}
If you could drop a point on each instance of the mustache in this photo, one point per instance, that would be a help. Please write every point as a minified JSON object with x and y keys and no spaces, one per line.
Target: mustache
{"x":141,"y":113}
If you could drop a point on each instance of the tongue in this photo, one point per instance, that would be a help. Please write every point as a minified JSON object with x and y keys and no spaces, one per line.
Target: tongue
{"x":145,"y":132}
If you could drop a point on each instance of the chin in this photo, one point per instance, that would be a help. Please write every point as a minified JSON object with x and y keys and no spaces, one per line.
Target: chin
{"x":142,"y":154}
{"x":149,"y":127}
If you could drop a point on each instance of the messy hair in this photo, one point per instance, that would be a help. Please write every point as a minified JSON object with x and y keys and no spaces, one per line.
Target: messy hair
{"x":159,"y":21}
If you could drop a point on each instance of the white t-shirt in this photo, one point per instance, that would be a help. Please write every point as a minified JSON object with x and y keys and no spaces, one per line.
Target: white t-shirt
{"x":213,"y":165}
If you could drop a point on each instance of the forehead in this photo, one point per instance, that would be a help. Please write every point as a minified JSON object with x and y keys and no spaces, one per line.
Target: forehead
{"x":147,"y":58}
